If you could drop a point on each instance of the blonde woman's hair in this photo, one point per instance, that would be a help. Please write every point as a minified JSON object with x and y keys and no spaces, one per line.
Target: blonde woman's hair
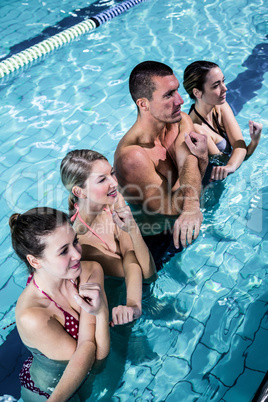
{"x":75,"y":169}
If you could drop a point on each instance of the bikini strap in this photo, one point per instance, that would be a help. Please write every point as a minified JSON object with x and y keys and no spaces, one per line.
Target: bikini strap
{"x":30,"y":277}
{"x":221,"y":131}
{"x":107,"y":210}
{"x":89,"y":228}
{"x":204,"y":120}
{"x":45,"y":294}
{"x":191,"y":108}
{"x":76,"y":212}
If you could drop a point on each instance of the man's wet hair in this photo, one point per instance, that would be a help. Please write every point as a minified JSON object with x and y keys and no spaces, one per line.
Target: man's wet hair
{"x":141,"y":84}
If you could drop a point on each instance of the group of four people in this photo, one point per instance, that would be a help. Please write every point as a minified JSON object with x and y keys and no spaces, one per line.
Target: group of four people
{"x":62,"y":315}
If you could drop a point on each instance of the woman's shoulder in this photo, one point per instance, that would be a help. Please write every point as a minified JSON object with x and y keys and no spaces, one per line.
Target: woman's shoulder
{"x":30,"y":313}
{"x":90,"y":271}
{"x":193,"y":116}
{"x":31,"y":301}
{"x":198,"y":128}
{"x":222,"y":110}
{"x":224,"y":115}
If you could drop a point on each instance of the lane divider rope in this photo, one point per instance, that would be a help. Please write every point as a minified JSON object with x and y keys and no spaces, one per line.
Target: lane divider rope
{"x":34,"y":53}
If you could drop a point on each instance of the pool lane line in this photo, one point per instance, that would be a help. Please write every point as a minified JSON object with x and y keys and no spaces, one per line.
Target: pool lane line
{"x":73,"y":17}
{"x":38,"y":51}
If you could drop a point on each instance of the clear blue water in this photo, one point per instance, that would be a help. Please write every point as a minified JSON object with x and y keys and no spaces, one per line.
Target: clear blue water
{"x":203,"y":333}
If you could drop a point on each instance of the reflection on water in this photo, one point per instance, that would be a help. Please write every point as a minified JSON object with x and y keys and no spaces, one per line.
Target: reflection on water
{"x":202,"y":335}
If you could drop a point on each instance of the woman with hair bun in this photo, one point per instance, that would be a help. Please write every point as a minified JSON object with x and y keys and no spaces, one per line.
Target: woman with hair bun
{"x":212,"y":115}
{"x":61,"y":315}
{"x":106,"y":228}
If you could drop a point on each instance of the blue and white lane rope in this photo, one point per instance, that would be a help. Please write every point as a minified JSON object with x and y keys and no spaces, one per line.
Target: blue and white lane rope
{"x":36,"y":52}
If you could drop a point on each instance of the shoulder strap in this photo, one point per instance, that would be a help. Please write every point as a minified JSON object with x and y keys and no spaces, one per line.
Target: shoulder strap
{"x":191,"y":108}
{"x":45,"y":294}
{"x":220,"y":129}
{"x":77,"y":214}
{"x":204,"y":120}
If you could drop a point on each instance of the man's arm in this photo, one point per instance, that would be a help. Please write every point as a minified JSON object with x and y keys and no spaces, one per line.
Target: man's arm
{"x":191,"y":168}
{"x":196,"y":143}
{"x":147,"y":186}
{"x":141,"y":184}
{"x":187,"y":226}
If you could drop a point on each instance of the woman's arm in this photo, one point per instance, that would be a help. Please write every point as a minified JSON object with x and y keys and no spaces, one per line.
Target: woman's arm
{"x":79,"y":365}
{"x":125,"y":221}
{"x":93,"y":279}
{"x":93,"y":341}
{"x":255,"y":135}
{"x":40,"y":329}
{"x":237,"y":142}
{"x":133,"y":279}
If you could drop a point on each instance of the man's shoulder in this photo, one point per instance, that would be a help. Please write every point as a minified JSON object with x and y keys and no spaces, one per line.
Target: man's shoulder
{"x":129,"y":155}
{"x":131,"y":160}
{"x":129,"y":148}
{"x":185,"y":118}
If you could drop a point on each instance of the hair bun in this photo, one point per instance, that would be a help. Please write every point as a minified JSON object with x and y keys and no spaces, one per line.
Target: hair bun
{"x":13,"y":220}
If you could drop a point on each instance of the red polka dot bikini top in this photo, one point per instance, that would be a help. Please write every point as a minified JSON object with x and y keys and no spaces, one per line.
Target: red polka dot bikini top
{"x":71,"y":324}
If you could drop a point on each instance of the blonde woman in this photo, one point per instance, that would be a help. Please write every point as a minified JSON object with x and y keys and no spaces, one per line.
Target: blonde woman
{"x":106,"y":228}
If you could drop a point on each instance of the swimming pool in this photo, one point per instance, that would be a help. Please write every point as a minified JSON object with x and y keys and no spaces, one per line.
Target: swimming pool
{"x":202,"y":335}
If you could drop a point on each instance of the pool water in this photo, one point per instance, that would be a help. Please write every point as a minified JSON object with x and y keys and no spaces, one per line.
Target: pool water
{"x":203,"y":332}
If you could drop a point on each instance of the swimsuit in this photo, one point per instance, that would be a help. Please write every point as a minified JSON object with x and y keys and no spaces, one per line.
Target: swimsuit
{"x":224,"y":145}
{"x":77,"y":214}
{"x":39,"y":362}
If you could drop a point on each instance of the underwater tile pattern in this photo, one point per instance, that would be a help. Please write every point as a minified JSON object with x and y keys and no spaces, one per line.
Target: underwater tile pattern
{"x":203,"y":332}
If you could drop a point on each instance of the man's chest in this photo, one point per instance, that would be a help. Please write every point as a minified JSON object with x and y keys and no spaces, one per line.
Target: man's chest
{"x":163,"y":162}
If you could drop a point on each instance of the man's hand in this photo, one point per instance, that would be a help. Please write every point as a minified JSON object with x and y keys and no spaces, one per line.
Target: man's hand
{"x":197,"y":145}
{"x":187,"y":227}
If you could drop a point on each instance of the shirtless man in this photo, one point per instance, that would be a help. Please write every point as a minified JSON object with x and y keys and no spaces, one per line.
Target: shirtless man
{"x":160,"y":161}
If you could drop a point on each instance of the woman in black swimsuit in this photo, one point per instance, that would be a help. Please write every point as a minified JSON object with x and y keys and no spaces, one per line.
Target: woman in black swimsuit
{"x":212,"y":115}
{"x":63,"y":339}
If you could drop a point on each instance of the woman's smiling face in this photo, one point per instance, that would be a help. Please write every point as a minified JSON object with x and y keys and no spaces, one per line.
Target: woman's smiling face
{"x":62,"y":253}
{"x":101,"y":185}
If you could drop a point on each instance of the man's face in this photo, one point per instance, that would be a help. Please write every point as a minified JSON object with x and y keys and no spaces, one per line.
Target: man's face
{"x":166,"y":103}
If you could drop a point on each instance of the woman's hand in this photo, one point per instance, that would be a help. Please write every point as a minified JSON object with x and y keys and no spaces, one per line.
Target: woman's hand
{"x":255,"y":130}
{"x":90,"y":298}
{"x":123,"y":218}
{"x":221,"y":172}
{"x":124,"y":314}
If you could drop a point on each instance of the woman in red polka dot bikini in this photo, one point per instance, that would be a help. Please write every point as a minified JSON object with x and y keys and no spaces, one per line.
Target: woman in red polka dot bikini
{"x":62,"y":314}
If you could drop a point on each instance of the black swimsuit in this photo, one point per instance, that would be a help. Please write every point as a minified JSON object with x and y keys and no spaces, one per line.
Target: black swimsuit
{"x":224,"y":145}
